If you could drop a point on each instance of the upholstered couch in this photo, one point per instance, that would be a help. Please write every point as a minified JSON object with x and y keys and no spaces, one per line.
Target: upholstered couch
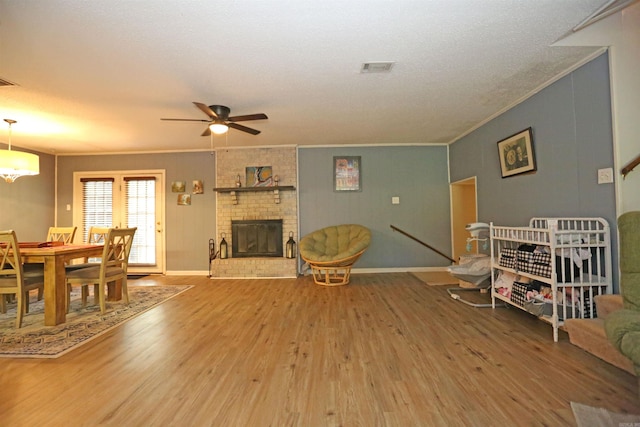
{"x":331,"y":251}
{"x":623,"y":326}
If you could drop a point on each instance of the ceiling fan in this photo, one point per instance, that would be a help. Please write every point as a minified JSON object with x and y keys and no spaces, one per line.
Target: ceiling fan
{"x":219,"y":120}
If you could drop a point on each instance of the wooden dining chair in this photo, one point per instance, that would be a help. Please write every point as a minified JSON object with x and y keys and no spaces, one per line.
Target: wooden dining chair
{"x":113,"y":267}
{"x":65,"y":235}
{"x":95,"y":236}
{"x":61,"y":234}
{"x":12,"y":279}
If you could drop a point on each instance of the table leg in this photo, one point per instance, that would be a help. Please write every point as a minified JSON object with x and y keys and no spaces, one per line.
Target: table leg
{"x":55,"y":291}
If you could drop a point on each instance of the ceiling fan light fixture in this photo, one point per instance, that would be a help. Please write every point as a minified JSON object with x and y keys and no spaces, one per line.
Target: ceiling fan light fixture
{"x":218,"y":128}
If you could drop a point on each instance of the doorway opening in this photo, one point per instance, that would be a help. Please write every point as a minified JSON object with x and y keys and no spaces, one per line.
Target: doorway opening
{"x":464,"y":210}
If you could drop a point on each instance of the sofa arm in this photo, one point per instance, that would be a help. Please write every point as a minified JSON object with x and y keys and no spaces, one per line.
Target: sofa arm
{"x":623,"y":331}
{"x":607,"y":304}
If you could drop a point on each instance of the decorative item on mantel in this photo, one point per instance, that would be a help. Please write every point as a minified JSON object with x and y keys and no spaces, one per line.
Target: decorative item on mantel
{"x":238,"y":183}
{"x":259,"y":176}
{"x":291,"y":246}
{"x":276,"y":180}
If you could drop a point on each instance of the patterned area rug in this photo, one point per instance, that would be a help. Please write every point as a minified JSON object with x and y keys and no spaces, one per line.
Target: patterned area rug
{"x":436,"y":278}
{"x":83,"y":323}
{"x":588,"y":416}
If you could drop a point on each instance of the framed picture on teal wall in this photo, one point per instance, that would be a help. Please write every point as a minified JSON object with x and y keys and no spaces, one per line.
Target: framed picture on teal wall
{"x":516,"y":154}
{"x":347,"y":173}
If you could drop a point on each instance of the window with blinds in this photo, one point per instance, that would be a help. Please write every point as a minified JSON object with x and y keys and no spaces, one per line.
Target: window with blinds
{"x":97,"y":204}
{"x":140,"y":207}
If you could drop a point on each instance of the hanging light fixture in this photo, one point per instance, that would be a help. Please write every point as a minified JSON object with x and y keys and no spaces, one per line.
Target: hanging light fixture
{"x":218,"y":127}
{"x":14,"y":164}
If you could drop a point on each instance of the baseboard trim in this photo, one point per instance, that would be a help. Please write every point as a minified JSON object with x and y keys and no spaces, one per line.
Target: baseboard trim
{"x":353,"y":271}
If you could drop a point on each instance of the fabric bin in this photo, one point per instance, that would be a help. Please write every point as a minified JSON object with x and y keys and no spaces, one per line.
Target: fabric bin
{"x":508,"y":258}
{"x":519,"y":293}
{"x":523,"y":260}
{"x":542,"y":270}
{"x":548,"y":311}
{"x":541,"y":258}
{"x":534,"y":307}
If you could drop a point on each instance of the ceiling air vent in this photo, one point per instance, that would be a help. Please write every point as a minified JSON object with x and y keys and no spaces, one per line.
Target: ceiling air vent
{"x":376,"y":67}
{"x":4,"y":82}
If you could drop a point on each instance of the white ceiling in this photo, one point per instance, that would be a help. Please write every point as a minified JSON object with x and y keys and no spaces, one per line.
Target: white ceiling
{"x":97,"y":76}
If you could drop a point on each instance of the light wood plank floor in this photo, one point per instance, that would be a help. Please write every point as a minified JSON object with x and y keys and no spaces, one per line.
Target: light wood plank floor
{"x":386,"y":350}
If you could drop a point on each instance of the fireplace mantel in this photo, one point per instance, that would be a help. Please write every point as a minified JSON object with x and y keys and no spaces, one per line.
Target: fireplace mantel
{"x":244,"y":189}
{"x":234,"y":190}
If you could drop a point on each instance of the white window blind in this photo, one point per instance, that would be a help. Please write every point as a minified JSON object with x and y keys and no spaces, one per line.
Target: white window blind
{"x":140,"y":209}
{"x":97,"y":204}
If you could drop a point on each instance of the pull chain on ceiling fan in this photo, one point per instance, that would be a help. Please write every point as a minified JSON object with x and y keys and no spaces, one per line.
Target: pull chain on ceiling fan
{"x":219,"y":120}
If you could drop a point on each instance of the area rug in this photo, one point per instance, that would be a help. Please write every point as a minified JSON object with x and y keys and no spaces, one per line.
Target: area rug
{"x":83,"y":323}
{"x":435,"y":278}
{"x":588,"y":416}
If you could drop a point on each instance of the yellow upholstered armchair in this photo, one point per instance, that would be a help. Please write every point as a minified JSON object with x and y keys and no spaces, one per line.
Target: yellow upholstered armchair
{"x":332,"y":251}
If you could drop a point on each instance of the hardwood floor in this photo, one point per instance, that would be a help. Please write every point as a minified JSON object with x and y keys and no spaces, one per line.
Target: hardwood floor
{"x":385,"y":350}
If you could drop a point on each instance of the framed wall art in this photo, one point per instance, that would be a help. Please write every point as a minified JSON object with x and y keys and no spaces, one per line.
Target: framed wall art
{"x":516,"y":154}
{"x":198,"y":187}
{"x":347,"y":173}
{"x":178,"y":186}
{"x":259,"y":176}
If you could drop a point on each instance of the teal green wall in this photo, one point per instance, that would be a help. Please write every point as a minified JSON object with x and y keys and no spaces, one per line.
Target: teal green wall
{"x":416,"y":174}
{"x":572,"y":134}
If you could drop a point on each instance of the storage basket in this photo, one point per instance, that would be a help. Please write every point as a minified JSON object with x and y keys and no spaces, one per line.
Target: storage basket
{"x":534,"y":307}
{"x":519,"y":293}
{"x":536,"y":263}
{"x":508,"y":258}
{"x":548,"y":311}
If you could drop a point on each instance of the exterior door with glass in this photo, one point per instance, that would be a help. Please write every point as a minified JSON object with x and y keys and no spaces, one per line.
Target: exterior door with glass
{"x":125,"y":199}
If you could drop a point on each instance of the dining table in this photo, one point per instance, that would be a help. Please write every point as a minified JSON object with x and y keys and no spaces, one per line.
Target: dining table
{"x":54,"y":258}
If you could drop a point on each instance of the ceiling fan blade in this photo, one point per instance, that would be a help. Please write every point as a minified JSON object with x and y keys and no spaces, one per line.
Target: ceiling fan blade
{"x":188,"y":120}
{"x":243,"y":128}
{"x":206,"y":132}
{"x":205,"y":109}
{"x":259,"y":116}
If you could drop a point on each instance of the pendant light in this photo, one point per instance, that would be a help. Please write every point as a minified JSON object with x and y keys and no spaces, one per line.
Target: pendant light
{"x":14,"y":164}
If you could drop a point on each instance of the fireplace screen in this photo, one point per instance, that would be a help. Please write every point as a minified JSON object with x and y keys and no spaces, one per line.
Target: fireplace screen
{"x":259,"y":238}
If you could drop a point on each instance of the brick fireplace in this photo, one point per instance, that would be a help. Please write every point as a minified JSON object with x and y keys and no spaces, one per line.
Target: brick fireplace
{"x":255,"y":206}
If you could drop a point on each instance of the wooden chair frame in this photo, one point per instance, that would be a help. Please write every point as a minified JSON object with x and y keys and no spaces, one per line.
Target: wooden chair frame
{"x":333,"y":273}
{"x":61,"y":234}
{"x":113,"y":267}
{"x":12,"y":279}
